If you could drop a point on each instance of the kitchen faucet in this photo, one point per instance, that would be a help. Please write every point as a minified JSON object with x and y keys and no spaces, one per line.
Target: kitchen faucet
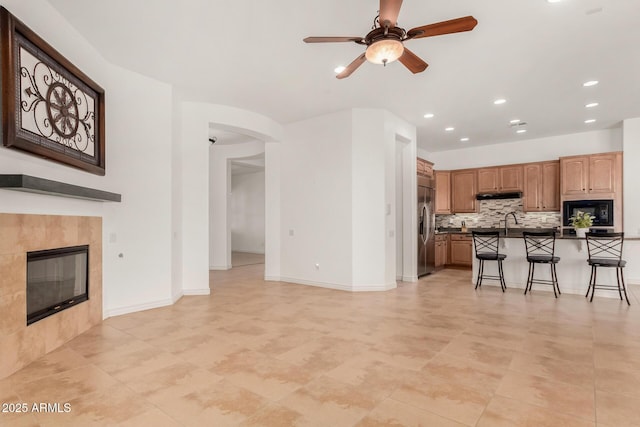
{"x":506,"y":218}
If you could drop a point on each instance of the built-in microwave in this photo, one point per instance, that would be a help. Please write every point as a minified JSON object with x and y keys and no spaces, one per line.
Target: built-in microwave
{"x":600,"y":210}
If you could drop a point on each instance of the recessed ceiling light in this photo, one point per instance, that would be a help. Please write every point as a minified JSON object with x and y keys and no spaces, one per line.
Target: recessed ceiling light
{"x":428,"y":116}
{"x":450,"y":129}
{"x":589,"y":121}
{"x":521,"y":131}
{"x":339,"y":69}
{"x":590,"y":83}
{"x":592,"y":104}
{"x":499,"y":101}
{"x":514,"y":121}
{"x":465,"y":139}
{"x":554,"y":1}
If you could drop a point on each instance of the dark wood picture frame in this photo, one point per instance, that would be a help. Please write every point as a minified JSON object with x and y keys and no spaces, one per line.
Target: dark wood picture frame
{"x":50,"y":108}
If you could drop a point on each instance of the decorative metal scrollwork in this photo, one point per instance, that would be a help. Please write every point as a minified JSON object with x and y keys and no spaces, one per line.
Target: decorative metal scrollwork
{"x":54,"y":107}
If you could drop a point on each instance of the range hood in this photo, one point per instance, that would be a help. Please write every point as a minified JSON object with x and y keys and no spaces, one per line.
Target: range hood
{"x":498,"y":196}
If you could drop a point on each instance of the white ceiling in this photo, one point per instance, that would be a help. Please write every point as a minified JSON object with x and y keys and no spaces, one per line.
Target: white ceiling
{"x":250,"y":54}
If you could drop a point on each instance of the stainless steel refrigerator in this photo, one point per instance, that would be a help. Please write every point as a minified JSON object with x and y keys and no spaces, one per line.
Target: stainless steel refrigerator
{"x":426,"y":226}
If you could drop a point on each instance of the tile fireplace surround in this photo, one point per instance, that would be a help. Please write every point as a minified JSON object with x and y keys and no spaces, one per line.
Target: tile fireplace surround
{"x":21,"y":344}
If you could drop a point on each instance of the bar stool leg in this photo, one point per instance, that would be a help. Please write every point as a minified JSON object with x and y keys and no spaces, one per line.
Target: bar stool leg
{"x":555,"y":277}
{"x":526,"y":287}
{"x":553,"y":280}
{"x":593,"y":286}
{"x":624,"y":287}
{"x":501,"y":274}
{"x":590,"y":280}
{"x":480,"y":268}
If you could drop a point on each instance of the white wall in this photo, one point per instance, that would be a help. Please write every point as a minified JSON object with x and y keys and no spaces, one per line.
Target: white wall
{"x":247,"y":212}
{"x":339,"y":200}
{"x":316,"y":201}
{"x":531,"y":150}
{"x":631,"y":176}
{"x":138,"y":165}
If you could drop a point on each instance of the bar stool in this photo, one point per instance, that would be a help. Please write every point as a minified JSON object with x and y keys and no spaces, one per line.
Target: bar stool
{"x":605,"y":250}
{"x":541,"y":248}
{"x":486,"y":244}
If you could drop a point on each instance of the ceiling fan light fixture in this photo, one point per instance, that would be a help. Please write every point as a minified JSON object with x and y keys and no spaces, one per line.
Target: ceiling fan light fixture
{"x":384,"y":51}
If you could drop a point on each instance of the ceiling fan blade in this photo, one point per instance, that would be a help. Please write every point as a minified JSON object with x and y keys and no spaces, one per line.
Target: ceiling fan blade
{"x":458,"y":25}
{"x":331,"y":39}
{"x":389,"y":10}
{"x":352,"y":67}
{"x":412,"y":62}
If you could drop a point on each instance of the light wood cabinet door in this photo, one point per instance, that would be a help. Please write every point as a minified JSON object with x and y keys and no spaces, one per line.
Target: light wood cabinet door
{"x":488,"y":180}
{"x":463,"y":193}
{"x":550,"y":194}
{"x":443,"y":192}
{"x":462,"y":252}
{"x":532,"y":197}
{"x":542,"y":187}
{"x":441,"y":252}
{"x":510,"y":178}
{"x":575,"y":175}
{"x":424,"y":167}
{"x":602,"y":173}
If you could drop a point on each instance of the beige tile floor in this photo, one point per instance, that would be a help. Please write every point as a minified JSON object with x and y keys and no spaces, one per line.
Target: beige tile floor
{"x":435,"y":353}
{"x":240,"y":259}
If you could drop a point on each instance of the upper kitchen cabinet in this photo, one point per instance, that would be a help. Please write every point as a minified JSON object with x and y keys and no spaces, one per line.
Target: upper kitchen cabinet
{"x":597,"y":174}
{"x":424,"y":167}
{"x":463,"y":191}
{"x":541,"y":187}
{"x":500,"y":179}
{"x":443,"y":192}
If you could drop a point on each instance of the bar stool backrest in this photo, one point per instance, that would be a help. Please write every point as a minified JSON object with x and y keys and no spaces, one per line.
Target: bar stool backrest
{"x":605,"y":245}
{"x":486,"y":242}
{"x":540,"y":242}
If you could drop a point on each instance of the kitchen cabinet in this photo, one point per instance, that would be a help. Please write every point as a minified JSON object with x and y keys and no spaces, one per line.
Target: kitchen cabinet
{"x":597,"y":174}
{"x":541,"y":187}
{"x":461,"y":251}
{"x":500,"y":179}
{"x":442,"y":250}
{"x":424,"y":167}
{"x":463,"y":191}
{"x":443,"y":192}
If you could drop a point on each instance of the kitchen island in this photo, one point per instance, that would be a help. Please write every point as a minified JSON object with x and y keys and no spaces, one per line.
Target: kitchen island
{"x":573,"y":270}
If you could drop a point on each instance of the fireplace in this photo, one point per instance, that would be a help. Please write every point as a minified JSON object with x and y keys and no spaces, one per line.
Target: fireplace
{"x":57,"y":279}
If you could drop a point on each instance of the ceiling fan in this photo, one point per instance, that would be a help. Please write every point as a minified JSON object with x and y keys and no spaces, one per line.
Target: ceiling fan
{"x":385,"y":42}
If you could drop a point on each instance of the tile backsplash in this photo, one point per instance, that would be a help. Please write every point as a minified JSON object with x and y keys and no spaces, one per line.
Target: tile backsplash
{"x":493,"y":211}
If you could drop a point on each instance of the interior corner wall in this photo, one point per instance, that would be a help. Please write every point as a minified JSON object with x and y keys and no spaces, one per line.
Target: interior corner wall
{"x":316,"y":192}
{"x":138,"y":165}
{"x":631,"y":176}
{"x":369,"y":201}
{"x":272,"y":214}
{"x":531,"y":150}
{"x":247,"y":212}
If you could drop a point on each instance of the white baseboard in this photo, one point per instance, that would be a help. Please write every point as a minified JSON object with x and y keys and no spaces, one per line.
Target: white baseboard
{"x":202,"y":291}
{"x":409,"y":278}
{"x":177,"y":297}
{"x":137,"y":307}
{"x":272,"y":278}
{"x":339,"y":286}
{"x":219,"y":267}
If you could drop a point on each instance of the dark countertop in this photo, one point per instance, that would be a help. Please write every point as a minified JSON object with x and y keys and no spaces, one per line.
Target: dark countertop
{"x":514,"y":232}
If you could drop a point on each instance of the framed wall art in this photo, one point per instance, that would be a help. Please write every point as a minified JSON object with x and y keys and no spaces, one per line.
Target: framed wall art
{"x":49,"y":107}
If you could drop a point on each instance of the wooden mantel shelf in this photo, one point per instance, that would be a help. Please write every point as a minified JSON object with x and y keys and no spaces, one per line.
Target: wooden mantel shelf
{"x":32,"y":184}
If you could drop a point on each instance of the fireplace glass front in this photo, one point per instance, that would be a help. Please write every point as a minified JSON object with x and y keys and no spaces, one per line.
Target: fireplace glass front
{"x":56,"y":280}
